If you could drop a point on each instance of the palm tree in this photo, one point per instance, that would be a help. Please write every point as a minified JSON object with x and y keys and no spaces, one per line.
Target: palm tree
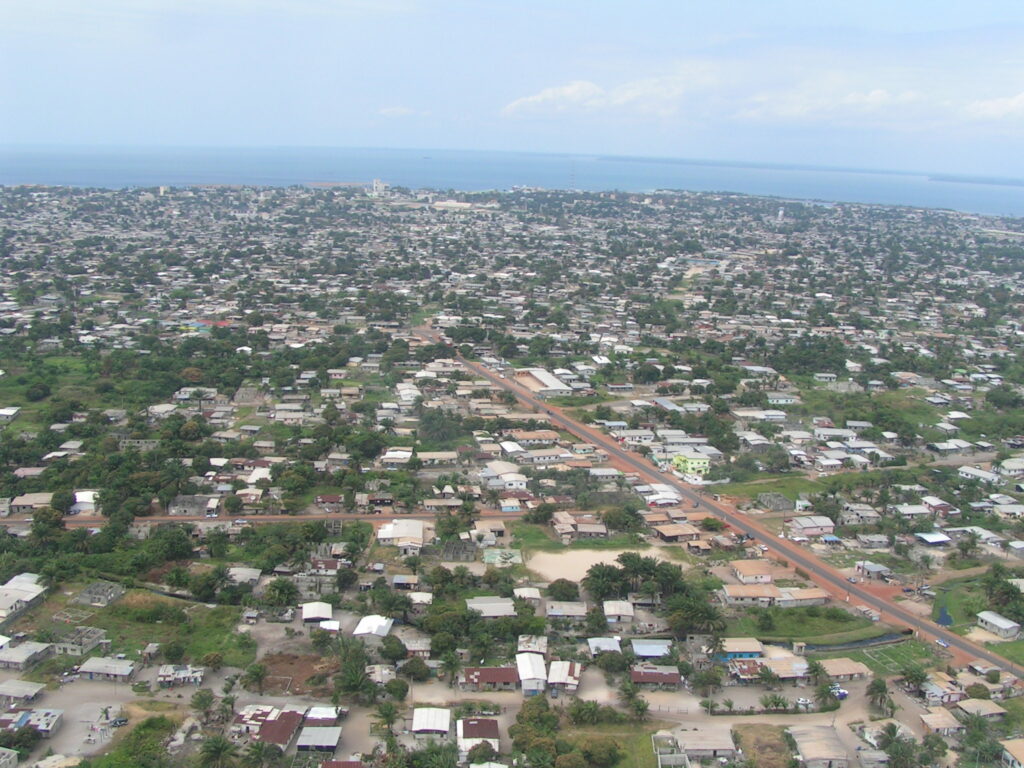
{"x":729,"y":704}
{"x":226,"y":708}
{"x":768,"y":678}
{"x":640,"y":707}
{"x":710,"y":705}
{"x":451,"y":666}
{"x":890,"y":733}
{"x":816,"y":671}
{"x":387,"y":716}
{"x":825,"y":696}
{"x":202,"y":703}
{"x":262,"y":755}
{"x":878,"y":692}
{"x":914,"y":676}
{"x":255,"y":677}
{"x":218,"y":752}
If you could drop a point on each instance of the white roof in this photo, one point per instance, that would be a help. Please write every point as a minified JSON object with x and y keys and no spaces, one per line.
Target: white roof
{"x":604,"y":644}
{"x":432,"y":719}
{"x":20,"y":689}
{"x":618,"y":608}
{"x":531,"y":666}
{"x":373,"y":625}
{"x":317,"y":611}
{"x":103,"y":665}
{"x":313,"y":736}
{"x":993,"y":618}
{"x":564,"y":672}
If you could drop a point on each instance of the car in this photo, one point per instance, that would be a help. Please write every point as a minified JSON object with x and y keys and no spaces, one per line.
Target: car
{"x":240,"y":521}
{"x":764,"y":548}
{"x":852,"y":579}
{"x":803,"y":702}
{"x":211,"y":514}
{"x":118,"y":722}
{"x":943,"y":643}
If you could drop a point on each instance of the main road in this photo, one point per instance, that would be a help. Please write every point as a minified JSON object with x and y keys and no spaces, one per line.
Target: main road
{"x":820,"y":572}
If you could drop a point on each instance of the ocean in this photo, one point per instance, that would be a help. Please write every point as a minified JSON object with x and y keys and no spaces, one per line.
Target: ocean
{"x":474,"y":171}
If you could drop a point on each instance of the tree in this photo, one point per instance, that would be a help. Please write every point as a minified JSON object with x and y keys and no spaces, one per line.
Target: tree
{"x":261,"y":755}
{"x":393,"y":649}
{"x":482,"y":753}
{"x":397,"y":689}
{"x":212,"y":661}
{"x":816,"y":671}
{"x":729,"y":704}
{"x":914,"y":677}
{"x":281,"y":591}
{"x":233,"y":504}
{"x":601,"y":751}
{"x":825,"y":697}
{"x":386,"y":717}
{"x":767,"y":677}
{"x":255,"y":676}
{"x":574,"y":759}
{"x":202,"y":702}
{"x":563,"y":589}
{"x":709,"y":705}
{"x":451,"y":666}
{"x":415,"y":669}
{"x":878,"y":693}
{"x":218,"y":752}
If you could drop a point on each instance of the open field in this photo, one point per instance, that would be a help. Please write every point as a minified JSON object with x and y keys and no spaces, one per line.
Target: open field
{"x":634,"y":741}
{"x":540,"y":538}
{"x":889,"y":659}
{"x":962,"y":599}
{"x":796,"y":624}
{"x":141,"y":617}
{"x":573,"y":564}
{"x":790,"y":486}
{"x":765,"y":743}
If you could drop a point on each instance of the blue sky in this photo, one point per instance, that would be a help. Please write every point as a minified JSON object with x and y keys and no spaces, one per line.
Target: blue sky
{"x":902,"y":84}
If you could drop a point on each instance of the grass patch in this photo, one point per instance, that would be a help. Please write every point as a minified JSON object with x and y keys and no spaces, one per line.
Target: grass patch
{"x":801,"y":624}
{"x":888,"y":659}
{"x":767,"y":742}
{"x":634,"y":741}
{"x":962,"y":599}
{"x":1014,"y":651}
{"x":531,"y":537}
{"x":790,"y":486}
{"x":141,"y":617}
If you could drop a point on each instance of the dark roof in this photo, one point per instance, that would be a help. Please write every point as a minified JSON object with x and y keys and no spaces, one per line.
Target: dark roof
{"x":654,"y":677}
{"x":492,"y":675}
{"x":280,"y":731}
{"x":480,"y":728}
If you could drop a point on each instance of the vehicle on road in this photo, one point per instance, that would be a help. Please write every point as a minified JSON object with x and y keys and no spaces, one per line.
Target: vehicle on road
{"x":943,"y":643}
{"x":852,"y":579}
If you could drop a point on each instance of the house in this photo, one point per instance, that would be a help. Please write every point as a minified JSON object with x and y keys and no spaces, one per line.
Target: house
{"x":373,"y":628}
{"x":984,"y":708}
{"x":618,"y":612}
{"x":408,"y":535}
{"x":708,"y":743}
{"x":811,"y":526}
{"x":471,"y":731}
{"x":752,"y":571}
{"x":651,"y":649}
{"x":1013,"y":753}
{"x":431,"y":721}
{"x":941,"y":689}
{"x":19,"y":593}
{"x":8,"y":758}
{"x":750,"y":594}
{"x":14,"y":693}
{"x":870,"y":570}
{"x":80,"y":641}
{"x":268,"y":724}
{"x":175,"y":675}
{"x":319,"y":738}
{"x":107,"y":668}
{"x":691,"y":462}
{"x":998,"y":625}
{"x":28,"y":503}
{"x":677,"y":532}
{"x":740,"y":648}
{"x":100,"y":594}
{"x":941,"y":721}
{"x":24,"y":655}
{"x":492,"y":606}
{"x":533,"y":675}
{"x":489,"y":678}
{"x":599,"y":645}
{"x":564,"y":676}
{"x":818,"y":746}
{"x":842,"y":669}
{"x":45,"y":722}
{"x":655,"y":676}
{"x":315,"y":612}
{"x":565,"y":610}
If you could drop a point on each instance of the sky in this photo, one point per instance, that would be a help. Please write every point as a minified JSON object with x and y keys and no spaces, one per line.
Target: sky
{"x":929,"y":85}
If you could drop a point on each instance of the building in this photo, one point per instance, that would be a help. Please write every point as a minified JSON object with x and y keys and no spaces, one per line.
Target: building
{"x":431,"y":721}
{"x":998,"y":625}
{"x":564,"y":676}
{"x":24,"y":655}
{"x":19,"y":593}
{"x":80,"y":641}
{"x":690,"y":462}
{"x":99,"y":594}
{"x":107,"y":668}
{"x":8,"y":758}
{"x":753,"y":571}
{"x":655,"y":676}
{"x":373,"y":628}
{"x":492,"y":607}
{"x":533,"y":676}
{"x":319,"y":738}
{"x":316,"y":612}
{"x":174,"y":675}
{"x":818,"y":746}
{"x":811,"y":526}
{"x":1013,"y":753}
{"x":618,"y":612}
{"x":408,"y":535}
{"x":471,"y":731}
{"x":941,"y":721}
{"x":489,"y":678}
{"x":750,"y":594}
{"x":15,"y":693}
{"x":710,"y":742}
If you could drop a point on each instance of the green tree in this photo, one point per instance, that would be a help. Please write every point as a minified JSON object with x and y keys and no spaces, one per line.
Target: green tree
{"x":255,"y":676}
{"x":218,"y":752}
{"x":262,"y":755}
{"x":202,"y":702}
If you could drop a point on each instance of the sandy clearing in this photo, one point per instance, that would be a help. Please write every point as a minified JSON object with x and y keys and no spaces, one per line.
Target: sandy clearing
{"x":573,"y":564}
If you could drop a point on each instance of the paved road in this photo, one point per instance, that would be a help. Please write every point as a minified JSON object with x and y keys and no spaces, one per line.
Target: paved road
{"x":823,"y":574}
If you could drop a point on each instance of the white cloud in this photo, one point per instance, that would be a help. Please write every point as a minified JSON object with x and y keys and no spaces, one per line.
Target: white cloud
{"x":661,"y":95}
{"x":997,"y":109}
{"x":829,"y":97}
{"x":397,"y":111}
